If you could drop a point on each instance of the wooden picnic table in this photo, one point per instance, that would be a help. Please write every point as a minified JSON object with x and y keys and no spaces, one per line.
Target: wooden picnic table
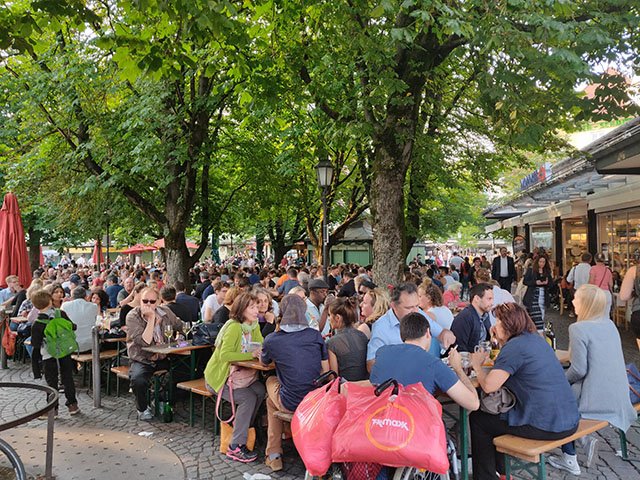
{"x":173,"y":349}
{"x":256,"y":365}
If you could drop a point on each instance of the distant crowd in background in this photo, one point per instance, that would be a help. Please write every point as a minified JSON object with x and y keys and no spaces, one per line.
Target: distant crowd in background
{"x":292,"y":316}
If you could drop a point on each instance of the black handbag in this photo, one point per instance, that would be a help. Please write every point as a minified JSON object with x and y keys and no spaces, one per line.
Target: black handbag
{"x":206,"y":333}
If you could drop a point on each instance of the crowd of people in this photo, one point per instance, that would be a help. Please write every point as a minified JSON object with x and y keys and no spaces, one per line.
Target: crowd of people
{"x":307,"y":325}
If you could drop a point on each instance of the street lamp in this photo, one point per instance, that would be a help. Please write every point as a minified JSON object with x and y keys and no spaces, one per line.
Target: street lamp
{"x":106,"y":214}
{"x":324,"y":172}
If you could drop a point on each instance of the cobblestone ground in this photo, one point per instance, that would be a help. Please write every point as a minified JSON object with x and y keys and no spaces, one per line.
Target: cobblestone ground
{"x":198,"y":449}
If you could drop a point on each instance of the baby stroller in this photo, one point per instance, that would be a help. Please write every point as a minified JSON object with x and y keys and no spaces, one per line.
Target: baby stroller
{"x":366,"y":470}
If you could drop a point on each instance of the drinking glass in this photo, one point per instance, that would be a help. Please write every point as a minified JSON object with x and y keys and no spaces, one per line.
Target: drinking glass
{"x":186,"y":328}
{"x":168,"y":332}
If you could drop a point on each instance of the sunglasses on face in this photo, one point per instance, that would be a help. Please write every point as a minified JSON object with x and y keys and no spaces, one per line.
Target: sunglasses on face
{"x":146,"y":301}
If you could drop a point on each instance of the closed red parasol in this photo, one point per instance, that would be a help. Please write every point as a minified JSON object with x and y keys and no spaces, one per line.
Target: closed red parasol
{"x":14,"y":259}
{"x":97,"y":256}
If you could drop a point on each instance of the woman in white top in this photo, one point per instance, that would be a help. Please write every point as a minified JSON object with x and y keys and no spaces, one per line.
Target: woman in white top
{"x":430,"y":300}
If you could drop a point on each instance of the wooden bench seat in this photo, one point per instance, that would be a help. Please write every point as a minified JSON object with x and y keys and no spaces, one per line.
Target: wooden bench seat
{"x":530,"y":450}
{"x":88,"y":357}
{"x":197,"y":387}
{"x":524,"y":452}
{"x":123,"y":372}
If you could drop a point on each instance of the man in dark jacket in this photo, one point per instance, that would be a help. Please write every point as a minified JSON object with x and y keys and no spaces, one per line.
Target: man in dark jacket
{"x":191,"y":303}
{"x":472,"y":325}
{"x":503,"y":270}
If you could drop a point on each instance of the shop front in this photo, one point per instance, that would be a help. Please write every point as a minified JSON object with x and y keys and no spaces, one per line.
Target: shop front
{"x":582,"y":207}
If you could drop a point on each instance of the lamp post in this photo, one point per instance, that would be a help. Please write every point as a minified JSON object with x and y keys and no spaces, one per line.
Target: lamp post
{"x":106,"y":213}
{"x":324,"y":172}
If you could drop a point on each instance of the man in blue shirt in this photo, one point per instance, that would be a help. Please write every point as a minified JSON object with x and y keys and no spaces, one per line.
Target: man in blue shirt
{"x":386,"y":330}
{"x":113,"y":288}
{"x":473,"y":324}
{"x":410,"y":363}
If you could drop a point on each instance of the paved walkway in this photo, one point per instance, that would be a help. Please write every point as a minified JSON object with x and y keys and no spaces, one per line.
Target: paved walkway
{"x":108,"y":437}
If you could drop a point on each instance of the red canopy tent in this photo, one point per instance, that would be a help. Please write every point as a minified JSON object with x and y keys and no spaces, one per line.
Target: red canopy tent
{"x":97,"y":257}
{"x":41,"y":257}
{"x":137,"y":248}
{"x":14,"y":259}
{"x":160,"y":244}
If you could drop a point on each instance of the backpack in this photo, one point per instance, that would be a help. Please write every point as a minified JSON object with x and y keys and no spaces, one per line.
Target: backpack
{"x":59,"y":336}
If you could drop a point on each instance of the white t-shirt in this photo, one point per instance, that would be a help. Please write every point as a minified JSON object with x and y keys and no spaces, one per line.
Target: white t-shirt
{"x":579,"y":275}
{"x":212,"y":302}
{"x":456,"y":261}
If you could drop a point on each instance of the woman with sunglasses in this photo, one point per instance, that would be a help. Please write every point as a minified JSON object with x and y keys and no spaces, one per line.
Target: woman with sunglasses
{"x":597,"y":373}
{"x":546,"y":408}
{"x":146,"y":325}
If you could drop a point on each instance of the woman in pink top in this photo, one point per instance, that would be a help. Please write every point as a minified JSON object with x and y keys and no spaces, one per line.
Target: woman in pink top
{"x":600,"y":275}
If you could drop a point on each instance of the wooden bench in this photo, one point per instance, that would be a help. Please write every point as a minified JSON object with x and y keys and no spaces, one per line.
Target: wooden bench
{"x":624,"y":453}
{"x":196,"y":387}
{"x":122,"y":372}
{"x":86,"y":358}
{"x":534,"y":451}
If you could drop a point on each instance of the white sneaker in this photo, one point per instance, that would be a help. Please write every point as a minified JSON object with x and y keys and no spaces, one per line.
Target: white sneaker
{"x":146,"y":415}
{"x":565,"y":462}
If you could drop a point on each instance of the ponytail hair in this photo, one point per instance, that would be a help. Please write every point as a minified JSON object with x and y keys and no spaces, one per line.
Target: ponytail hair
{"x":347,"y":308}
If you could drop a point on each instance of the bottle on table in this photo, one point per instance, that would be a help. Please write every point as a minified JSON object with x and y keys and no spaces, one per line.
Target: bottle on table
{"x":549,"y":334}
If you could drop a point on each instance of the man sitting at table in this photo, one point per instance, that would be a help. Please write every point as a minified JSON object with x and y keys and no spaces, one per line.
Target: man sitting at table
{"x":83,"y":314}
{"x":301,"y":356}
{"x":146,"y":325}
{"x":473,"y":324}
{"x":386,"y":330}
{"x":410,"y":362}
{"x":191,"y":303}
{"x":168,"y":295}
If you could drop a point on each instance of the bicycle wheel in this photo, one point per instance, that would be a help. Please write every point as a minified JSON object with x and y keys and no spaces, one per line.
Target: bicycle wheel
{"x":16,"y":463}
{"x":412,"y":473}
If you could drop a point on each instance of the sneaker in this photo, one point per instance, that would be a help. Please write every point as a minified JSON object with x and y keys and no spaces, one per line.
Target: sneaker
{"x":242,"y":454}
{"x":146,"y":415}
{"x":74,"y":409}
{"x":565,"y":462}
{"x":590,"y":445}
{"x":275,"y":464}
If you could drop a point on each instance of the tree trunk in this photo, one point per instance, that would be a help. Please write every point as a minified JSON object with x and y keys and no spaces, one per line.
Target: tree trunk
{"x":178,"y":260}
{"x":34,"y":249}
{"x":387,"y":208}
{"x":259,"y":243}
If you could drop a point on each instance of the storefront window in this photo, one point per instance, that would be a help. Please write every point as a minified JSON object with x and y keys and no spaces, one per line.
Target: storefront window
{"x":575,"y":241}
{"x":619,"y":238}
{"x":542,"y":237}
